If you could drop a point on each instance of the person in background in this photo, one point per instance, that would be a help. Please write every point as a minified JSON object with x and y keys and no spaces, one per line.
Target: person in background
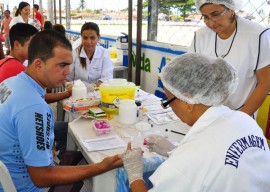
{"x":241,"y":42}
{"x":38,"y":15}
{"x":26,"y":131}
{"x":92,"y":62}
{"x":22,"y":15}
{"x":59,"y":28}
{"x":47,"y":25}
{"x":5,"y":28}
{"x":20,"y":37}
{"x":224,"y":150}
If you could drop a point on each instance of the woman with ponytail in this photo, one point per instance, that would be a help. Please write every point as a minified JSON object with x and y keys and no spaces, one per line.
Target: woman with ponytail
{"x":22,"y":15}
{"x":92,"y":63}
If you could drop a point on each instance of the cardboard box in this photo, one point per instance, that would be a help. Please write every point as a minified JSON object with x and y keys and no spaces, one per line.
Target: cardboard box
{"x":80,"y":105}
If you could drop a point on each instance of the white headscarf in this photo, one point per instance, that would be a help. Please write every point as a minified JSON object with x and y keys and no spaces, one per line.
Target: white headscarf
{"x":231,"y":4}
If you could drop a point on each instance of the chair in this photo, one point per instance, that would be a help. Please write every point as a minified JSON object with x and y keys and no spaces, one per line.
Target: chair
{"x":5,"y":179}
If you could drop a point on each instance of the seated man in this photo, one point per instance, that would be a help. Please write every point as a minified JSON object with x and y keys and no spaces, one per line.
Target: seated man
{"x":26,"y":131}
{"x":20,"y":37}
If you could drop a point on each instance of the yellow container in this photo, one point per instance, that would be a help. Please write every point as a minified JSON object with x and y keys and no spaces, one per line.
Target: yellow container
{"x":113,"y":91}
{"x":113,"y":52}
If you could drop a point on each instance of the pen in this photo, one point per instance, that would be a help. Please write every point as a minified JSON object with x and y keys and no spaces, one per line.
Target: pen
{"x":150,"y":122}
{"x":177,"y":132}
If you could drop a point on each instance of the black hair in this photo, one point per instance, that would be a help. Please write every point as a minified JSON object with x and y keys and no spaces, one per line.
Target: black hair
{"x":21,"y":6}
{"x":7,"y":11}
{"x":42,"y":45}
{"x":90,"y":25}
{"x":87,"y":26}
{"x":59,"y":28}
{"x":21,"y":32}
{"x":48,"y":25}
{"x":36,"y":6}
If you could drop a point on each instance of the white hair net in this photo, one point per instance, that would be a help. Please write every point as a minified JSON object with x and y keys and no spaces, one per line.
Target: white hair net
{"x":231,"y":4}
{"x":196,"y":79}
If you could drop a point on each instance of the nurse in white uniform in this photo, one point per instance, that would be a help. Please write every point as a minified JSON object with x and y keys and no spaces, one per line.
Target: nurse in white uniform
{"x":225,"y":150}
{"x":243,"y":43}
{"x":92,"y":63}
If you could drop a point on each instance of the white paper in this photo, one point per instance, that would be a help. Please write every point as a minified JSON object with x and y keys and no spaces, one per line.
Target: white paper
{"x":163,"y":117}
{"x":104,"y":143}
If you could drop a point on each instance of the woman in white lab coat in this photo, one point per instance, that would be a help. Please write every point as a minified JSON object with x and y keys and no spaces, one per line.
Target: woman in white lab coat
{"x":224,"y":150}
{"x":92,"y":62}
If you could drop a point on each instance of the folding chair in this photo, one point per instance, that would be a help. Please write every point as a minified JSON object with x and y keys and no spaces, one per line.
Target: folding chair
{"x":5,"y":179}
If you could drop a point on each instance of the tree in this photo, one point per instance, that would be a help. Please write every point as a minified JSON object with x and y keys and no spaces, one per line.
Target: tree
{"x":81,"y":5}
{"x":185,"y":7}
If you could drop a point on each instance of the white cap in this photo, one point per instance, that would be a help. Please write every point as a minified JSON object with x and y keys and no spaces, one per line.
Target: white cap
{"x":231,"y":4}
{"x":195,"y":78}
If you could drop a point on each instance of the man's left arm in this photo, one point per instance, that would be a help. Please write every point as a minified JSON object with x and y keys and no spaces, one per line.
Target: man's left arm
{"x":60,"y":175}
{"x":260,"y":92}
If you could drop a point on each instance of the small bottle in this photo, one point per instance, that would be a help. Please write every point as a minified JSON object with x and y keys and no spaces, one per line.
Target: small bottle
{"x":166,"y":133}
{"x":127,"y":112}
{"x":139,"y":112}
{"x":79,"y":90}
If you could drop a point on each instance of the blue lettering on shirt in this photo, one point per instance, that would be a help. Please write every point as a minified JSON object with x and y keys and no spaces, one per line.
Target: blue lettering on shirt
{"x":238,"y":147}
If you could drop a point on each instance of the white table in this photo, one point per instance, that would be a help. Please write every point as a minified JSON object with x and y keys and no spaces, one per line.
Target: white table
{"x":82,"y":129}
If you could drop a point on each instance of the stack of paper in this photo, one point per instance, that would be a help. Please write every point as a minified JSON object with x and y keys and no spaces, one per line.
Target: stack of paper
{"x":104,"y":143}
{"x":163,"y":116}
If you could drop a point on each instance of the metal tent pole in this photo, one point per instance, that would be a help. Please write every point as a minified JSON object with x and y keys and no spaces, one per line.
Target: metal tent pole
{"x":139,"y":43}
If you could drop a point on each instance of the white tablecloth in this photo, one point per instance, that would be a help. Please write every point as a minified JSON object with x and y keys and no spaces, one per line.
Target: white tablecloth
{"x":113,"y":180}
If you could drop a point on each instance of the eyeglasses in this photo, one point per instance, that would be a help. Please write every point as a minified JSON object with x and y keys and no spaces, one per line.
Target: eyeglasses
{"x":165,"y":102}
{"x":215,"y":16}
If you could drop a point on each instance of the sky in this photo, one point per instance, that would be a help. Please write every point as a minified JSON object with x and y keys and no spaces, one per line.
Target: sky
{"x":114,"y":4}
{"x":90,"y":4}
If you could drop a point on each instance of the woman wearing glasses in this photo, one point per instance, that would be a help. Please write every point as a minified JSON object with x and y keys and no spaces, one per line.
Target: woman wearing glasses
{"x":224,"y":150}
{"x":243,"y":43}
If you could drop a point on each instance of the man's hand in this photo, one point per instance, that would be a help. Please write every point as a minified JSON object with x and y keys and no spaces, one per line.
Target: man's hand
{"x":69,"y":90}
{"x":69,"y":84}
{"x":113,"y":162}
